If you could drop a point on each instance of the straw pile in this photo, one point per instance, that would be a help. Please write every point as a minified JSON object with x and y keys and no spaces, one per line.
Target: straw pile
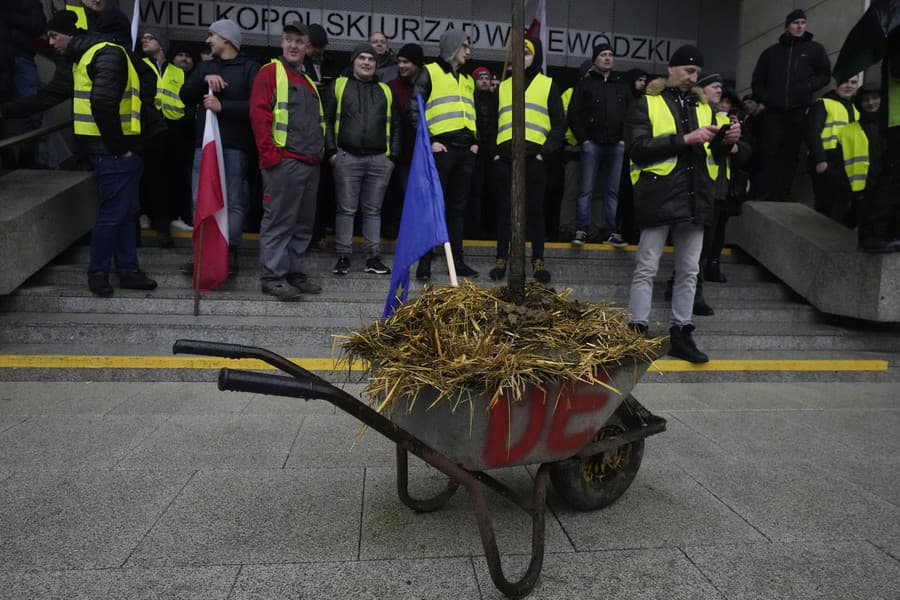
{"x":473,"y":339}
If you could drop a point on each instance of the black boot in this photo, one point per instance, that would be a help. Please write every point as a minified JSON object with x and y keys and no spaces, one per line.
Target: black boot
{"x":713,"y":272}
{"x":136,"y":280}
{"x":232,"y":261}
{"x":99,"y":285}
{"x":683,"y":346}
{"x":701,"y":308}
{"x":423,"y":271}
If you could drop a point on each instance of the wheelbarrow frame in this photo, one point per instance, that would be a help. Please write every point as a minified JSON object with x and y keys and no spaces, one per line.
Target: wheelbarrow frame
{"x":306,"y":385}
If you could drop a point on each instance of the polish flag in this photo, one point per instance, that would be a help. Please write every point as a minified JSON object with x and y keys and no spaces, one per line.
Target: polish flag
{"x":540,"y":30}
{"x":211,"y":212}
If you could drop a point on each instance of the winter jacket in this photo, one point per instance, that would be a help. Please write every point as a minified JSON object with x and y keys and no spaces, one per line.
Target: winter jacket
{"x":25,"y":21}
{"x":234,"y":118}
{"x":363,"y":110}
{"x":486,"y":122}
{"x":686,"y":194}
{"x":386,"y":67}
{"x":462,"y":138}
{"x":788,"y":73}
{"x":554,"y":140}
{"x":402,"y":91}
{"x":598,"y":108}
{"x":815,"y":122}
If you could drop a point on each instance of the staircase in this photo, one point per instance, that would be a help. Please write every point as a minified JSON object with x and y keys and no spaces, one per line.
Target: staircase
{"x":52,"y":328}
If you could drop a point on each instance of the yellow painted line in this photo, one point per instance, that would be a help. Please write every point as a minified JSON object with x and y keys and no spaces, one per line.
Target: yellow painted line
{"x":41,"y":361}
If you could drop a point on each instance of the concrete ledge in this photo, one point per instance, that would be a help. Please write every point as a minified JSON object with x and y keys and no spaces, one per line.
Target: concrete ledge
{"x":41,"y":214}
{"x":819,"y":260}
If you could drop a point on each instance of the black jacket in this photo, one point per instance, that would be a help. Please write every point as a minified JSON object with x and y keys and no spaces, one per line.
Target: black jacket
{"x":363,"y":106}
{"x":234,"y":119}
{"x":486,"y":122}
{"x":686,"y":194}
{"x":25,"y":21}
{"x":788,"y":73}
{"x":461,"y":138}
{"x":598,"y":108}
{"x":815,"y":123}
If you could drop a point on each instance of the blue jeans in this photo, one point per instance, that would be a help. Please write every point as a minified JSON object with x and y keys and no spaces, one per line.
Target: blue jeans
{"x":115,"y":234}
{"x":607,"y":160}
{"x":235,"y":188}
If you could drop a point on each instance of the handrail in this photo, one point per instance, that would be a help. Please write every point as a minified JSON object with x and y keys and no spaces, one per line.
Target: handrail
{"x":33,"y":134}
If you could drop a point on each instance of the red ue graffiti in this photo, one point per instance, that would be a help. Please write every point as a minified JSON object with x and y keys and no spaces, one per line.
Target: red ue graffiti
{"x":500,"y":450}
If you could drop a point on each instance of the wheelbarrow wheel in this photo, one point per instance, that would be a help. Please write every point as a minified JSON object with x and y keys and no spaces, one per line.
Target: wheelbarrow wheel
{"x":598,"y":481}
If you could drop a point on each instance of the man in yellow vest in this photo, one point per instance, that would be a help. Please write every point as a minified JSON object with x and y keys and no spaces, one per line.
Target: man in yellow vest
{"x":666,"y":134}
{"x":545,"y":126}
{"x":166,"y":181}
{"x":449,"y":97}
{"x":288,"y":126}
{"x":826,"y":118}
{"x":107,"y":121}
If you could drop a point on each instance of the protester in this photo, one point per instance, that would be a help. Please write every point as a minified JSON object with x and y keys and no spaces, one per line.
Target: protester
{"x":386,"y":62}
{"x":785,"y":78}
{"x":361,"y":134}
{"x":449,"y":97}
{"x":596,"y":116}
{"x":184,"y":60}
{"x":571,"y":169}
{"x":545,"y":126}
{"x":287,"y":119}
{"x":481,"y":214}
{"x":673,"y":192}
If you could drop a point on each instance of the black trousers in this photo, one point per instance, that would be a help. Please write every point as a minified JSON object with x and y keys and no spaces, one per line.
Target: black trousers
{"x":832,"y":193}
{"x":783,"y":133}
{"x":535,"y":187}
{"x":878,"y":213}
{"x":455,"y":168}
{"x":165,"y":185}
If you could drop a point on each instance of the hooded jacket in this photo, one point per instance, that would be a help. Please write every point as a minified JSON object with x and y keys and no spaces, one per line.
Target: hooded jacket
{"x":362,"y":132}
{"x":598,"y":108}
{"x":788,"y":73}
{"x":686,"y":194}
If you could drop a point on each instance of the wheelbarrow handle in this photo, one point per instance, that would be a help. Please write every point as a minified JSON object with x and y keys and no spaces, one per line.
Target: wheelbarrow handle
{"x":276,"y":385}
{"x":202,"y":348}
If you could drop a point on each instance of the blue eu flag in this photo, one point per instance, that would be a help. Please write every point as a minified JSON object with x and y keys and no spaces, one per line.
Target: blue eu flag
{"x":422,"y":224}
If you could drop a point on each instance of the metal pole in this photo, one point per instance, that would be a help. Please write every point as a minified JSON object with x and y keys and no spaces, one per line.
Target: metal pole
{"x":517,"y":188}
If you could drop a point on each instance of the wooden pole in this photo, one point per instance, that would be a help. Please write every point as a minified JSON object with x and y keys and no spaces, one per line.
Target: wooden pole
{"x":516,"y":264}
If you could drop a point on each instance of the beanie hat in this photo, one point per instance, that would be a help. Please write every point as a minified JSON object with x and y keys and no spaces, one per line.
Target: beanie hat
{"x":317,"y":36}
{"x":227,"y":30}
{"x":793,"y":16}
{"x":600,"y":48}
{"x":413,"y":53}
{"x":160,"y":36}
{"x":451,"y":41}
{"x":686,"y":55}
{"x":364,"y":48}
{"x":63,"y":22}
{"x":529,"y":45}
{"x":481,"y":71}
{"x":709,"y":79}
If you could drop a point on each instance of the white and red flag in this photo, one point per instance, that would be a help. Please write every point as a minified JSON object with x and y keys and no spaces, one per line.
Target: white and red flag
{"x":211,"y":212}
{"x":539,"y":29}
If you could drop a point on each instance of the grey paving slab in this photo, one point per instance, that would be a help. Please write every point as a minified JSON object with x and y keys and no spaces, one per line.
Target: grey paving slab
{"x":217,"y":441}
{"x":267,"y":405}
{"x":337,"y":440}
{"x":726,"y":395}
{"x":210,"y":583}
{"x":10,"y":421}
{"x":876,"y":472}
{"x":73,"y":440}
{"x":852,"y":395}
{"x":80,"y":519}
{"x":391,"y":530}
{"x":664,"y":507}
{"x":800,"y":571}
{"x":887,"y":542}
{"x":665,"y":396}
{"x":273,"y":516}
{"x":869,"y":431}
{"x":66,"y":398}
{"x":681,"y":444}
{"x":795,"y":501}
{"x":181,"y":398}
{"x":444,"y":579}
{"x":616,"y":575}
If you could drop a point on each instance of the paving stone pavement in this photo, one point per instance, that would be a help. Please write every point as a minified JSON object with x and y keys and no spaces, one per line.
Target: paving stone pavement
{"x":176,"y":490}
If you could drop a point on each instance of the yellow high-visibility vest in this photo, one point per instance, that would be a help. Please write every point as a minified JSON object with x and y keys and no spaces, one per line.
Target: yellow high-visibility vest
{"x":836,"y":117}
{"x":537,"y":115}
{"x":280,"y":110}
{"x":78,"y":8}
{"x":566,"y":99}
{"x":129,"y":106}
{"x":168,"y":88}
{"x":662,"y":124}
{"x":855,"y":150}
{"x":339,"y":85}
{"x":711,"y":165}
{"x":451,"y":106}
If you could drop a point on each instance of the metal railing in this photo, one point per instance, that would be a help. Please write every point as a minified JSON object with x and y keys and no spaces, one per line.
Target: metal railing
{"x":33,"y":135}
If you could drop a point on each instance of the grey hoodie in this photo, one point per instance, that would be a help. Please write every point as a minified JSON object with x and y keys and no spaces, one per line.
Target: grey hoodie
{"x":451,"y":41}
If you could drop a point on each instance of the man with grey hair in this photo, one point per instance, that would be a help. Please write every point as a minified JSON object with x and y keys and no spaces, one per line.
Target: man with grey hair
{"x":449,"y":97}
{"x":386,"y":62}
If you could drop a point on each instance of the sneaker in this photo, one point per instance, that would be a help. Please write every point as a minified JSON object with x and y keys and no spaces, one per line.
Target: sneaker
{"x":374,"y":265}
{"x":499,"y":270}
{"x":180,"y":225}
{"x":99,"y":285}
{"x":540,"y":274}
{"x":580,"y":238}
{"x":144,"y":221}
{"x":302,"y":282}
{"x":616,"y":240}
{"x":464,"y":270}
{"x":135,"y":280}
{"x":342,"y":266}
{"x":281,"y":290}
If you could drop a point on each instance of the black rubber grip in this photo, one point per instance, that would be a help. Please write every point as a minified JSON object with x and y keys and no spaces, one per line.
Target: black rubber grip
{"x":234,"y":380}
{"x":202,"y":348}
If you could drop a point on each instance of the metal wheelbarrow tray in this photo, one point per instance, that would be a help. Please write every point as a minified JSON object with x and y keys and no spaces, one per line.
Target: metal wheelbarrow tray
{"x":586,"y":439}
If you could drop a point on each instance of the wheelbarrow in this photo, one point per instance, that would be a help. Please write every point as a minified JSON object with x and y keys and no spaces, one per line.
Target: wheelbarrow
{"x":588,"y":440}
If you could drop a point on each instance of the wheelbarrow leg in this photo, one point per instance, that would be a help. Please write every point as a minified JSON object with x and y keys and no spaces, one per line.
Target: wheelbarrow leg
{"x":421,"y":506}
{"x":520,"y":588}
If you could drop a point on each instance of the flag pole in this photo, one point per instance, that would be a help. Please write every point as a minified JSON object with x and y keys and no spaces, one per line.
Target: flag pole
{"x":451,"y":266}
{"x":197,"y":263}
{"x":516,"y":279}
